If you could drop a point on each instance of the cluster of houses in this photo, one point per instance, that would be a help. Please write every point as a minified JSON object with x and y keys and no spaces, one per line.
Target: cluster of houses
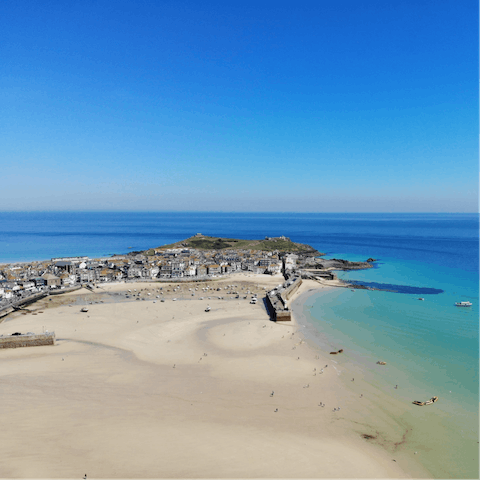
{"x":19,"y":280}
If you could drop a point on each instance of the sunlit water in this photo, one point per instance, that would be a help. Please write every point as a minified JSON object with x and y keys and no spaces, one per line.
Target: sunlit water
{"x":430,"y":346}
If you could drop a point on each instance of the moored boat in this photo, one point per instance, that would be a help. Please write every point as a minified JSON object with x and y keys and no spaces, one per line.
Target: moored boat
{"x":381,"y":363}
{"x":428,"y":402}
{"x":463,"y":304}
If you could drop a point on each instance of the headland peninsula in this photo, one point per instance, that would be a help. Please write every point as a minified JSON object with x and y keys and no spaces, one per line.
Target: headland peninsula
{"x":155,"y":373}
{"x":198,"y":258}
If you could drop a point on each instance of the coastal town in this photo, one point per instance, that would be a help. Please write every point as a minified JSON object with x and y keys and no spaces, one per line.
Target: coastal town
{"x":22,"y":282}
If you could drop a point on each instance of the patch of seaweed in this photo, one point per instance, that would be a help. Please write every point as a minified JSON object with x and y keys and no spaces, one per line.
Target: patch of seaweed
{"x":388,"y":287}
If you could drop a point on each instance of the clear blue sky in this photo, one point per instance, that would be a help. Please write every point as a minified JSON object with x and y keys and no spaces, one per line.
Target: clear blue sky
{"x":318,"y":106}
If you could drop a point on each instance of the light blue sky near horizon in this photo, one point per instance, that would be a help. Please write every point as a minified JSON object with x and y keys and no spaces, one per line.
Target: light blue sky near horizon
{"x":253,"y":106}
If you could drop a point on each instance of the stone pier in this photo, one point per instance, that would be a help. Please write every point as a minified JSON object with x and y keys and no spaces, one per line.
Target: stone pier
{"x":27,"y":340}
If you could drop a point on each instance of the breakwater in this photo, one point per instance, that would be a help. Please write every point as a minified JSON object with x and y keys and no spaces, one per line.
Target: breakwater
{"x":278,"y":297}
{"x":27,"y":340}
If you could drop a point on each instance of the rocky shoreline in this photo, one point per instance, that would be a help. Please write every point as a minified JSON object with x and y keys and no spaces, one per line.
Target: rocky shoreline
{"x":340,"y":264}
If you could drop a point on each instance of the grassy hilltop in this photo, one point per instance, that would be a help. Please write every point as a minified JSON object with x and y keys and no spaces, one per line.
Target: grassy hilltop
{"x":217,"y":243}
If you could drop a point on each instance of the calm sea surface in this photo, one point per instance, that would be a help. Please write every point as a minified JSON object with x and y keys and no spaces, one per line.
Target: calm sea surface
{"x":431,"y":346}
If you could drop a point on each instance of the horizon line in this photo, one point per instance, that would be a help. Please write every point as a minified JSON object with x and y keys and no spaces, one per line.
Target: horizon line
{"x":241,"y":212}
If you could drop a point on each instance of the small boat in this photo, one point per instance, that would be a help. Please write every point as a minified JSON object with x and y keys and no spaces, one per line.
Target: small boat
{"x":381,"y":363}
{"x":428,"y":402}
{"x":421,"y":298}
{"x":333,"y":353}
{"x":463,"y":304}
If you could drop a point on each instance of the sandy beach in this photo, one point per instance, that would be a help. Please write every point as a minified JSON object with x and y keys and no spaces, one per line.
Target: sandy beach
{"x":151,"y":389}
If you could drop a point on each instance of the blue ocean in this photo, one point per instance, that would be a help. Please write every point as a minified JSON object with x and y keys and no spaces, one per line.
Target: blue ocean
{"x":430,"y":345}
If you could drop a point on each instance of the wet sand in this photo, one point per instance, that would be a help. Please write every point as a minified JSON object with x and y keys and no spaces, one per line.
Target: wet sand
{"x":137,"y":389}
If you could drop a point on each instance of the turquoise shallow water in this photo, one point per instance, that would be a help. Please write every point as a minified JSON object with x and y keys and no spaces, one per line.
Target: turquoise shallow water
{"x":431,"y":347}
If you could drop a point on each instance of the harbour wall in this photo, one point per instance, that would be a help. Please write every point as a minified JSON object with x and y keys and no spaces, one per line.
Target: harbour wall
{"x":277,"y":299}
{"x":9,"y":308}
{"x":27,"y":340}
{"x":65,"y":290}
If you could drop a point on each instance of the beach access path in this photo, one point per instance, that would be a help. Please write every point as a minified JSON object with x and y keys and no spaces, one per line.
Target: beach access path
{"x":137,"y":389}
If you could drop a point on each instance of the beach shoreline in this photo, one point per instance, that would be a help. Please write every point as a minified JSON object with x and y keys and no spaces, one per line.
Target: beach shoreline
{"x":145,"y":389}
{"x":424,"y":431}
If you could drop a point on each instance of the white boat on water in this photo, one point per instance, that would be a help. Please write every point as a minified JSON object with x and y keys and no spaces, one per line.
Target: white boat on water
{"x":463,"y":304}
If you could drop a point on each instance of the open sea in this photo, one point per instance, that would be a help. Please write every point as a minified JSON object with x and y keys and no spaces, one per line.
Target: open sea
{"x":431,"y":347}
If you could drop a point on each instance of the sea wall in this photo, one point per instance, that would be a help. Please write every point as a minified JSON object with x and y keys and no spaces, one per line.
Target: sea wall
{"x":24,"y":301}
{"x":65,"y":290}
{"x":292,"y":287}
{"x":27,"y":340}
{"x":277,"y":299}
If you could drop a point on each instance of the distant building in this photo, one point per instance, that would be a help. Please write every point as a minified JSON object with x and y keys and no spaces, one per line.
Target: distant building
{"x":65,"y":265}
{"x":51,"y":280}
{"x":70,"y":259}
{"x":214,"y":269}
